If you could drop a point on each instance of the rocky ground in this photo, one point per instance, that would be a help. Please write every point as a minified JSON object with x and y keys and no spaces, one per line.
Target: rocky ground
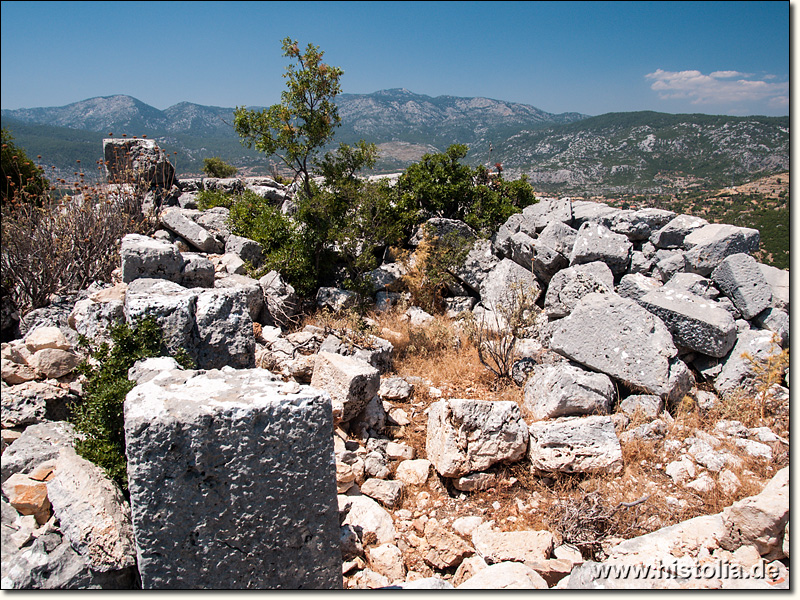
{"x":641,"y":419}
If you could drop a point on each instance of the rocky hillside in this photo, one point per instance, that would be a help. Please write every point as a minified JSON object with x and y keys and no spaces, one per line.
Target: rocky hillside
{"x":562,"y":153}
{"x":649,"y":152}
{"x":641,"y":419}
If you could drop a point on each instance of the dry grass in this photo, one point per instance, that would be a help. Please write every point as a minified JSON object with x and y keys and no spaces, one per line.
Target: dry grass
{"x":590,"y":511}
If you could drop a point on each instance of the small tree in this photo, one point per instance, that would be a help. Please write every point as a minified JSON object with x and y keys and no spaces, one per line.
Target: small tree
{"x":216,"y":167}
{"x":296,"y":129}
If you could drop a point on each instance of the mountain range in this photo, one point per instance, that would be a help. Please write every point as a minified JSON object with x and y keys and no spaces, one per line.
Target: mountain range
{"x":561,"y":153}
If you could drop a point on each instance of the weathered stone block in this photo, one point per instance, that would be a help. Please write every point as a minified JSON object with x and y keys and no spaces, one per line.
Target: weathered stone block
{"x":232,"y":482}
{"x":598,"y":243}
{"x":710,"y":245}
{"x":564,"y":389}
{"x":741,"y":280}
{"x":144,"y":257}
{"x":179,"y":224}
{"x":471,"y":435}
{"x":616,"y":336}
{"x":507,"y":281}
{"x":695,"y":323}
{"x":351,"y":382}
{"x":575,"y":445}
{"x":569,"y":285}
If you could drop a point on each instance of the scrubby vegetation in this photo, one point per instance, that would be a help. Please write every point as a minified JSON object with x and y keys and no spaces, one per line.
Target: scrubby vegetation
{"x":99,"y":418}
{"x":21,"y":181}
{"x":216,"y":167}
{"x":65,"y":241}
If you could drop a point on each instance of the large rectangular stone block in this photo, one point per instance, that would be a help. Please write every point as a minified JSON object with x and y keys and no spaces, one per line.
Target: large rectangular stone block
{"x":232,"y":481}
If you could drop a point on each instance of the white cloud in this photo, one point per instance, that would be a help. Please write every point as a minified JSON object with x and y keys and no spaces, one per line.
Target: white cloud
{"x":719,"y":87}
{"x":727,"y":74}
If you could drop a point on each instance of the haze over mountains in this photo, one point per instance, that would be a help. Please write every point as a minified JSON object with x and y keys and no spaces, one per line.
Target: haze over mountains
{"x":617,"y":152}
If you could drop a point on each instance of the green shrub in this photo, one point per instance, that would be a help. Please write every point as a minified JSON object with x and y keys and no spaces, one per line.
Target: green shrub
{"x":99,"y":417}
{"x":440,"y":186}
{"x":213,"y":198}
{"x":285,"y":244}
{"x":216,"y":167}
{"x":20,"y":179}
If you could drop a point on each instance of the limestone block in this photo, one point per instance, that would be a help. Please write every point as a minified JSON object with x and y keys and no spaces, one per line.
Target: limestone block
{"x":386,"y":492}
{"x":741,"y":280}
{"x":224,"y":330}
{"x":171,"y":305}
{"x":695,"y":322}
{"x":92,"y":319}
{"x":471,"y":435}
{"x":253,"y":293}
{"x":441,"y":228}
{"x":446,"y":550}
{"x":197,"y":271}
{"x":648,"y":405}
{"x":369,"y":518}
{"x":675,"y":231}
{"x":335,"y":299}
{"x":144,"y":257}
{"x":505,"y":281}
{"x":777,"y":321}
{"x":248,"y":250}
{"x":413,"y":472}
{"x":38,"y":443}
{"x":92,"y":513}
{"x":521,"y":247}
{"x":569,"y":285}
{"x":738,"y":370}
{"x":709,"y":245}
{"x":505,"y":576}
{"x":565,"y":389}
{"x":540,"y":215}
{"x":694,"y":284}
{"x":616,"y":336}
{"x":575,"y":445}
{"x":558,"y":236}
{"x":349,"y":381}
{"x":225,"y":469}
{"x":636,"y":285}
{"x":387,"y":559}
{"x":53,"y":363}
{"x":598,"y":243}
{"x":181,"y":225}
{"x":42,"y":338}
{"x":759,"y":520}
{"x":28,"y":496}
{"x":778,"y":281}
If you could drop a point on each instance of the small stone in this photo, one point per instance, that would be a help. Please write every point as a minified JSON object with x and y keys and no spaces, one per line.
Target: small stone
{"x":702,"y":484}
{"x":396,"y":451}
{"x":46,"y":337}
{"x":28,"y":496}
{"x":413,"y":472}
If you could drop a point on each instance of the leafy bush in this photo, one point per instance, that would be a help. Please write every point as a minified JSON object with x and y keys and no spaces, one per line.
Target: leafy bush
{"x":212,"y":198}
{"x":216,"y":167}
{"x":284,"y":242}
{"x":100,"y":418}
{"x":21,"y":181}
{"x":440,"y":186}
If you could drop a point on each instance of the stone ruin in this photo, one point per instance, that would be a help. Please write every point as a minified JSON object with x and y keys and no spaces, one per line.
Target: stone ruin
{"x":240,"y":476}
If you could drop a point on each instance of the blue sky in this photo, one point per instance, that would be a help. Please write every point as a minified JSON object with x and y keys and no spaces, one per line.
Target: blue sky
{"x":591,"y":57}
